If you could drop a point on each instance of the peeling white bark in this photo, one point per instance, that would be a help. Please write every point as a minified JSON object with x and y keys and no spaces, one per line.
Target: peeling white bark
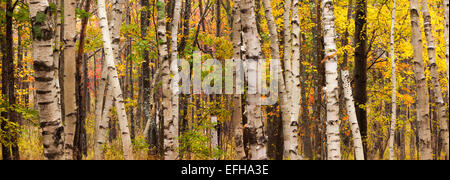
{"x":114,"y":81}
{"x":47,"y":87}
{"x":331,"y":90}
{"x":439,"y":101}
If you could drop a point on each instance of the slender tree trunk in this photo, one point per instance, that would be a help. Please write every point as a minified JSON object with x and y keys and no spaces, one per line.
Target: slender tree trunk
{"x":423,"y":116}
{"x":360,"y":70}
{"x":446,"y":6}
{"x":173,"y":126}
{"x":441,"y":113}
{"x":394,"y":84}
{"x":255,"y":124}
{"x":296,"y":91}
{"x":350,"y":106}
{"x":288,"y":77}
{"x":9,"y":152}
{"x":333,"y":139}
{"x":170,"y":133}
{"x":70,"y":105}
{"x":47,"y":86}
{"x":446,"y":28}
{"x":275,"y":51}
{"x":237,"y":97}
{"x":114,"y":80}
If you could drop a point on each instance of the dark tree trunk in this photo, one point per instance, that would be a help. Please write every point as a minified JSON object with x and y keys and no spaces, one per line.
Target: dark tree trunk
{"x":360,"y":71}
{"x":186,"y":26}
{"x":9,"y":152}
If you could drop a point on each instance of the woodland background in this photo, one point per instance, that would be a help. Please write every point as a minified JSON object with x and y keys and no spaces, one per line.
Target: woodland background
{"x":72,"y":91}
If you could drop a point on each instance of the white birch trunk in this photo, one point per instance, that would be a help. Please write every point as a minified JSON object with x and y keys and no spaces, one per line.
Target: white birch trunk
{"x":114,"y":81}
{"x":286,"y":119}
{"x":394,"y":85}
{"x":238,"y":132}
{"x":423,"y":116}
{"x":170,"y":133}
{"x":258,"y":141}
{"x":295,"y":93}
{"x":47,"y":87}
{"x":70,"y":104}
{"x":333,"y":139}
{"x":114,"y":27}
{"x":350,"y":107}
{"x":439,"y":101}
{"x":100,"y":126}
{"x":173,"y":126}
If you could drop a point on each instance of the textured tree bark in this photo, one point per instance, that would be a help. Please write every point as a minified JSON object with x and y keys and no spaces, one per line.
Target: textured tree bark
{"x":173,"y":126}
{"x":394,"y":84}
{"x":288,"y":77}
{"x":47,"y":86}
{"x":296,"y":91}
{"x":169,"y":134}
{"x":360,"y":70}
{"x":237,"y":97}
{"x":350,"y":106}
{"x":146,"y":74}
{"x":255,"y":124}
{"x":11,"y":151}
{"x":333,"y":139}
{"x":70,"y":104}
{"x":114,"y":80}
{"x":275,"y":52}
{"x":114,"y":27}
{"x":423,"y":116}
{"x":441,"y":113}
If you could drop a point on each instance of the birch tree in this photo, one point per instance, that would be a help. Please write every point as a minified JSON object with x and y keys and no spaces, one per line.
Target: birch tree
{"x":295,"y":96}
{"x":423,"y":116}
{"x":331,"y":89}
{"x":114,"y":81}
{"x":258,"y":141}
{"x":289,"y":79}
{"x":237,"y":97}
{"x":394,"y":84}
{"x":170,"y":133}
{"x":47,"y":87}
{"x":70,"y":104}
{"x":172,"y":125}
{"x":439,"y":101}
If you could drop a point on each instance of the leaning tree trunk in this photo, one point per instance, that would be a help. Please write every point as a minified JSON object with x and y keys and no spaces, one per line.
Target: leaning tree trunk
{"x":394,"y":85}
{"x":275,"y":51}
{"x":350,"y":107}
{"x":255,"y":124}
{"x":70,"y":104}
{"x":237,"y":97}
{"x":170,"y":133}
{"x":423,"y":116}
{"x":172,"y":125}
{"x":47,"y":86}
{"x":114,"y":81}
{"x":439,"y":101}
{"x":332,"y":95}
